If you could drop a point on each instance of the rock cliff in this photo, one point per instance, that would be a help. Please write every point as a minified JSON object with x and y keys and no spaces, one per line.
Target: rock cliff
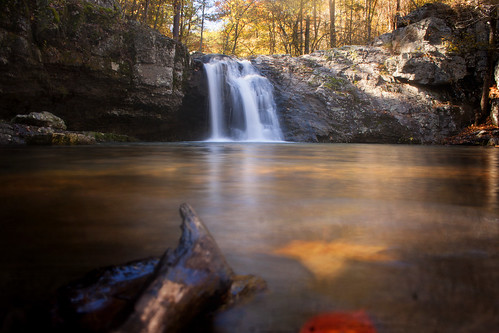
{"x":419,"y":84}
{"x":82,"y":62}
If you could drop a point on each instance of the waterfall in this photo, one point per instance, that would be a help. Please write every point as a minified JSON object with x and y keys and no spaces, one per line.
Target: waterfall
{"x":242,"y":106}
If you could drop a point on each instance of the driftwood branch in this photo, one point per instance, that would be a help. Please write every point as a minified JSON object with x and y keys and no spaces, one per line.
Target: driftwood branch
{"x":187,"y":281}
{"x":156,"y":295}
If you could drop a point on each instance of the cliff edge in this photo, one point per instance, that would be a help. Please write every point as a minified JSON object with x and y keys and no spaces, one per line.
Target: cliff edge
{"x":80,"y":61}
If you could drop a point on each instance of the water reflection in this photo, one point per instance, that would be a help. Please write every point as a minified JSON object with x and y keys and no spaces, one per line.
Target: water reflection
{"x":409,"y":234}
{"x":327,"y":260}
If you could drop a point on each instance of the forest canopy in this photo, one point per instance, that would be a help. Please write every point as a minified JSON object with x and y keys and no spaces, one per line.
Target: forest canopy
{"x":247,"y":27}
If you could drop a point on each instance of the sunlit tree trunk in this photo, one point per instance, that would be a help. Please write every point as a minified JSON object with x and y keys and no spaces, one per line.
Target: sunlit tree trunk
{"x":300,"y":17}
{"x":332,"y":24}
{"x":236,"y":35}
{"x":285,"y":38}
{"x":202,"y":25}
{"x":370,"y":7}
{"x":307,"y":35}
{"x":350,"y":24}
{"x":176,"y":20}
{"x":272,"y":36}
{"x":397,"y":15}
{"x":316,"y":32}
{"x":181,"y":21}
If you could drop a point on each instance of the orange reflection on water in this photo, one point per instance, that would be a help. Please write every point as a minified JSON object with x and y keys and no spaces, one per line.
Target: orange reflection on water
{"x":326,"y":260}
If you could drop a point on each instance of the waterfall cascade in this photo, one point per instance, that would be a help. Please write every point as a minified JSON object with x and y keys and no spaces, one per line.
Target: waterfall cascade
{"x":242,"y":106}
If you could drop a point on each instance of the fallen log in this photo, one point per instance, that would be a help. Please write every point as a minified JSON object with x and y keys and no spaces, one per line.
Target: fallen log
{"x":156,"y":295}
{"x":190,"y":280}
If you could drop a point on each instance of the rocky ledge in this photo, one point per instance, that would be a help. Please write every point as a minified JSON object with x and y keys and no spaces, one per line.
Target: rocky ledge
{"x":419,"y":84}
{"x":44,"y":128}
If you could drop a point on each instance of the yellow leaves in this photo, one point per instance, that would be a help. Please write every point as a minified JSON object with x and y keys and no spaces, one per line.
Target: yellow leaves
{"x":494,"y":92}
{"x":327,"y":260}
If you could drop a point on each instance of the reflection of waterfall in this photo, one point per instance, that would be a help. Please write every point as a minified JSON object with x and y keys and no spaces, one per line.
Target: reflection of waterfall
{"x":242,"y":106}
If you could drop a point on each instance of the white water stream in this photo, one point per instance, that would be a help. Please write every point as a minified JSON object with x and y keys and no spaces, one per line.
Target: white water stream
{"x":242,"y":106}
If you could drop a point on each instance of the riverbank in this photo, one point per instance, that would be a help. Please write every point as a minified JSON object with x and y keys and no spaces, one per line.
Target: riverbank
{"x":476,"y":135}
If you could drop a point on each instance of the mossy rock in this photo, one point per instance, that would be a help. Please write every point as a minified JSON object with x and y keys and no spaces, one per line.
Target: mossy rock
{"x":110,"y":137}
{"x":60,"y":139}
{"x":335,"y":83}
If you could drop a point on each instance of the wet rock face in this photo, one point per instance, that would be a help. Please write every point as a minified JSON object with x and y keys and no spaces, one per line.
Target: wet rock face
{"x":89,"y":67}
{"x":349,"y":95}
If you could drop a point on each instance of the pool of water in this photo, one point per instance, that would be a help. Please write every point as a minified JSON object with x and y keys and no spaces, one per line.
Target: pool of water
{"x":408,"y":234}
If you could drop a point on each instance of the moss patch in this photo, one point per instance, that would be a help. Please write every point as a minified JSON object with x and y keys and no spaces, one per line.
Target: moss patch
{"x":335,"y":83}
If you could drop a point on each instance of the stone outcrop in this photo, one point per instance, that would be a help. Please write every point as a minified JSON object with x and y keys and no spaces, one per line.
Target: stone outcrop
{"x":44,"y":128}
{"x":86,"y":65}
{"x":419,"y":84}
{"x":40,"y":119}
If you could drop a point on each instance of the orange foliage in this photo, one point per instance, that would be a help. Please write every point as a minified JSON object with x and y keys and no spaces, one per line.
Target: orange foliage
{"x":339,"y":322}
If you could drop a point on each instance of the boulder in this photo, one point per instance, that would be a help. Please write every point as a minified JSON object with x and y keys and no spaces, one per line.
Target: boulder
{"x":422,"y":56}
{"x":431,"y":68}
{"x":40,"y":119}
{"x":432,"y":10}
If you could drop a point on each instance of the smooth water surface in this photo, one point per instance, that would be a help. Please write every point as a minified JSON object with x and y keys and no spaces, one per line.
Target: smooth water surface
{"x":410,"y":234}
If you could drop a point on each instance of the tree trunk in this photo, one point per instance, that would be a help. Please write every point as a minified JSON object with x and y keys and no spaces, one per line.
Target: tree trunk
{"x":176,"y":20}
{"x":132,"y":11}
{"x":124,"y":8}
{"x":316,"y":32}
{"x":202,"y":26}
{"x":156,"y":19}
{"x":332,"y":26}
{"x":350,"y":24}
{"x":397,"y":16}
{"x":236,"y":36}
{"x":181,"y":21}
{"x":369,"y":3}
{"x":146,"y":10}
{"x":301,"y":27}
{"x":487,"y":80}
{"x":272,"y":33}
{"x":307,"y":35}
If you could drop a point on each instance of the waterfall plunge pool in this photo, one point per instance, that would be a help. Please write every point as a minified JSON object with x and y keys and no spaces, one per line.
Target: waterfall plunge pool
{"x":408,"y":234}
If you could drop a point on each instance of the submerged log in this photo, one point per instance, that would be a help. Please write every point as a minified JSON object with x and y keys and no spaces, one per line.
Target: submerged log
{"x":156,"y":295}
